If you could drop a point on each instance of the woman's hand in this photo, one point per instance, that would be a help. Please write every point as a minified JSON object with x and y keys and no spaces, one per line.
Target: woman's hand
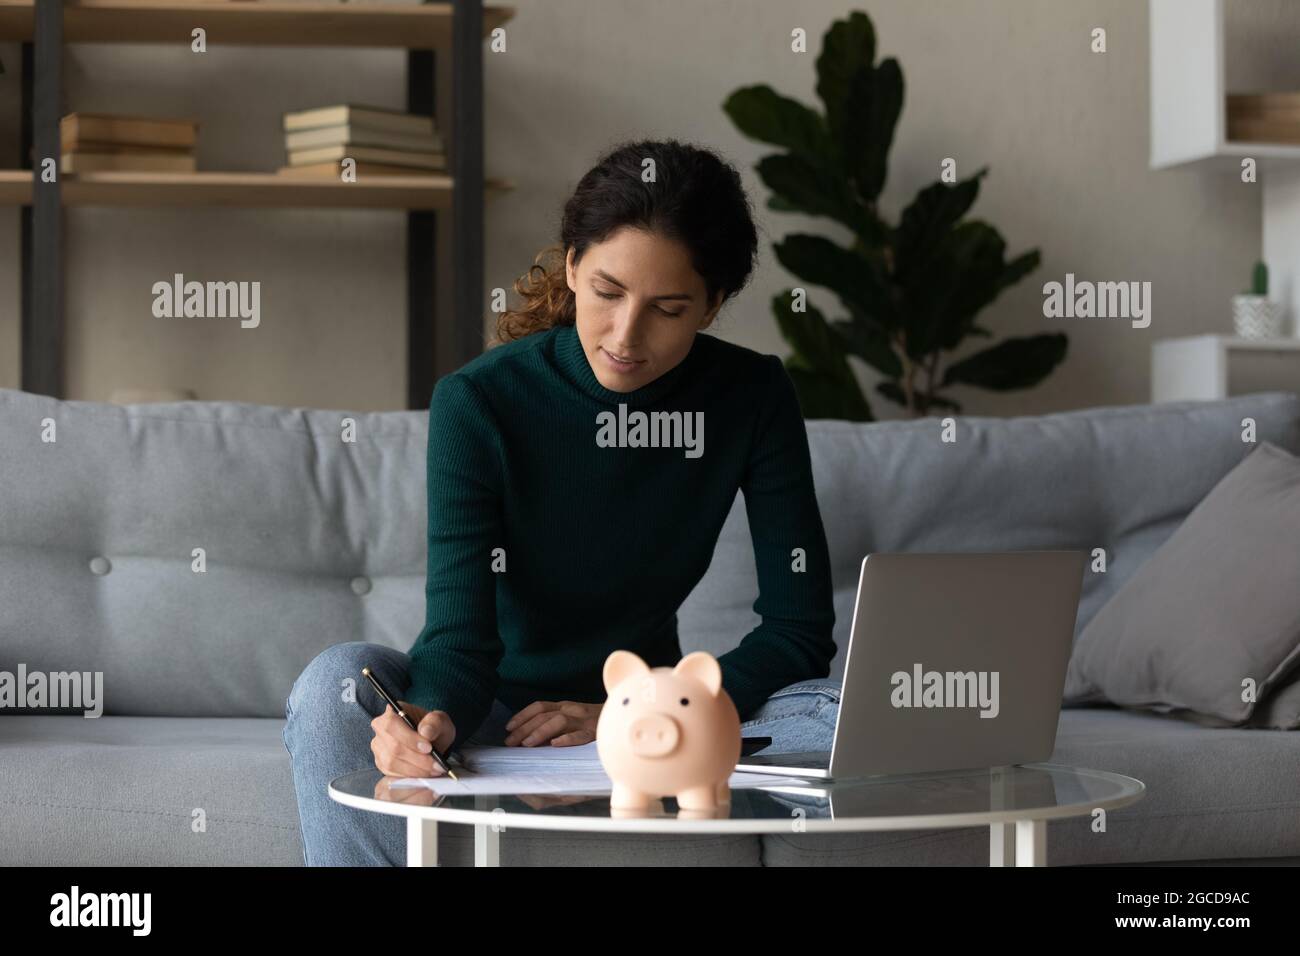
{"x":400,"y":751}
{"x":564,"y":723}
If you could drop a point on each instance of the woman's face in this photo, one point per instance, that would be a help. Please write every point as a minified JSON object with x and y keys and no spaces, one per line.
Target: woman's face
{"x":639,"y":304}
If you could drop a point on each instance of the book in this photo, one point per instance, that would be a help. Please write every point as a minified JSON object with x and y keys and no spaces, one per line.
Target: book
{"x":132,"y":149}
{"x":80,"y":162}
{"x":353,"y":134}
{"x":76,"y":129}
{"x":1264,"y":104}
{"x":370,"y":116}
{"x":334,"y":170}
{"x":367,"y":154}
{"x":1251,"y":130}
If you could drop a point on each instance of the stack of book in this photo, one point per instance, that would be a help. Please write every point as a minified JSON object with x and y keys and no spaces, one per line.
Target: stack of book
{"x":1264,"y":117}
{"x":381,"y":142}
{"x":91,"y":142}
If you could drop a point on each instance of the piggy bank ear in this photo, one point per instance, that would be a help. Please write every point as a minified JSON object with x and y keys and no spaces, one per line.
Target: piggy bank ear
{"x":702,"y":666}
{"x":619,"y":666}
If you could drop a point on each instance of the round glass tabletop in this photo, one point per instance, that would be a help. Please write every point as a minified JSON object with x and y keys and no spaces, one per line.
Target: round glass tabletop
{"x":901,"y":802}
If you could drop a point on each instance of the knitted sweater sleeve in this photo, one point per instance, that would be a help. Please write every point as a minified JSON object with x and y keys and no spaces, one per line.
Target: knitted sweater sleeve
{"x":454,"y":660}
{"x":794,"y":640}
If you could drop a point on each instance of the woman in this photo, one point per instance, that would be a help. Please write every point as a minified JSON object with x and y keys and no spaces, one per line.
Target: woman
{"x":568,"y":520}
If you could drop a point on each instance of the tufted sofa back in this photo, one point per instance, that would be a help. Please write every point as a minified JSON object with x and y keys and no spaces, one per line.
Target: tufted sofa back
{"x":1118,"y":478}
{"x":307,"y":540}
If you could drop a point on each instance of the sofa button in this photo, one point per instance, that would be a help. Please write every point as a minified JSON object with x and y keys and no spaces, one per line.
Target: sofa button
{"x":100,"y":565}
{"x":361,"y":585}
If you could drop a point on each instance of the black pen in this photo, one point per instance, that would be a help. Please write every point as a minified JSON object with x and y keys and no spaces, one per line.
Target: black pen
{"x":379,"y":688}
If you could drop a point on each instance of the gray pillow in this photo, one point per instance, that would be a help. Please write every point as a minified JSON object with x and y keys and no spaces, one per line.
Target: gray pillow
{"x":1217,"y":603}
{"x":1280,"y":710}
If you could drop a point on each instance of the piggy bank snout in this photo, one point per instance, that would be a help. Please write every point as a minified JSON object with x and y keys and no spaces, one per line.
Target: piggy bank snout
{"x":653,"y":735}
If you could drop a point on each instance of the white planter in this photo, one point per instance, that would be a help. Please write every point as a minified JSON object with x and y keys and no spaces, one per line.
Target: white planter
{"x":1255,"y":317}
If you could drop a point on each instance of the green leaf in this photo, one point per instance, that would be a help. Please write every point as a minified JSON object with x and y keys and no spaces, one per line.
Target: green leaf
{"x":979,"y":295}
{"x":763,"y":114}
{"x":823,"y":379}
{"x":875,"y":101}
{"x":868,"y":343}
{"x":859,"y":281}
{"x":1012,"y":364}
{"x":967,"y":271}
{"x":819,"y":397}
{"x":892,"y":391}
{"x":929,"y":217}
{"x":804,"y":187}
{"x":848,"y":49}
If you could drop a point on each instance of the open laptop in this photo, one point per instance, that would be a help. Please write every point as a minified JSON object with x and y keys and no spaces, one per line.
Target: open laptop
{"x":955,"y":661}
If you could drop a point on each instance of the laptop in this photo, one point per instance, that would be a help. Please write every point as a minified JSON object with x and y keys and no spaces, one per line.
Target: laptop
{"x":955,"y":661}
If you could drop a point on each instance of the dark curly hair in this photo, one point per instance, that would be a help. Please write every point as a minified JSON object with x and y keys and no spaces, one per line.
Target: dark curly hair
{"x":696,"y":199}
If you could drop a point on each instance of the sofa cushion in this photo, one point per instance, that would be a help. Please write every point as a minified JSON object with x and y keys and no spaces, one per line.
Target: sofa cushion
{"x":1280,"y":710}
{"x":1211,"y":793}
{"x":122,"y":791}
{"x":1216,"y":606}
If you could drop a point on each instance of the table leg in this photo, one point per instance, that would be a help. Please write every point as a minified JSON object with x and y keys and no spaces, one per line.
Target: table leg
{"x":487,"y":845}
{"x":1002,"y":844}
{"x":421,"y":842}
{"x":1031,"y":843}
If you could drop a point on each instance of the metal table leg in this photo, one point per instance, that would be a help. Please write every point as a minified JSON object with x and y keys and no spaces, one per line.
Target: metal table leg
{"x":421,"y":842}
{"x":1031,"y":843}
{"x":487,"y":845}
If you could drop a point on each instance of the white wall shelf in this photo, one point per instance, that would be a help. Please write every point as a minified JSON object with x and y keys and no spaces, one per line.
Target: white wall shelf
{"x":1189,"y":125}
{"x":1188,"y":87}
{"x":1204,"y":367}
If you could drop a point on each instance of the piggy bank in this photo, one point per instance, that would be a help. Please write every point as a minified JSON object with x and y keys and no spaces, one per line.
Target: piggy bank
{"x":667,"y":732}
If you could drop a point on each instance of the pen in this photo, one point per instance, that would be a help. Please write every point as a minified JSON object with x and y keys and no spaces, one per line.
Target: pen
{"x":388,"y":698}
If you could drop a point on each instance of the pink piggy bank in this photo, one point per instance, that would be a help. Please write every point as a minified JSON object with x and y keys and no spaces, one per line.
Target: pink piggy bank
{"x":667,"y":732}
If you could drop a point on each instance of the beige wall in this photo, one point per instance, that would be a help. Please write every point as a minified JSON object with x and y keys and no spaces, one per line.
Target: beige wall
{"x":1007,"y":83}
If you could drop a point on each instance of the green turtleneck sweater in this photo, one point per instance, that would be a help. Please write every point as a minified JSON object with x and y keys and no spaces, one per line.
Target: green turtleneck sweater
{"x":559,"y":533}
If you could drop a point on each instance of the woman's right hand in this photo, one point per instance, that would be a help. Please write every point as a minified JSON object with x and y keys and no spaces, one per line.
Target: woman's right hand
{"x":400,"y":751}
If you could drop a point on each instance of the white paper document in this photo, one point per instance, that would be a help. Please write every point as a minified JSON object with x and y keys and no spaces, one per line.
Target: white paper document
{"x":547,"y":769}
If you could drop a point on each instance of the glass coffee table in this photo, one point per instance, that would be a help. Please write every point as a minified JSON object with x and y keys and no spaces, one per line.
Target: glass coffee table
{"x":1015,"y":803}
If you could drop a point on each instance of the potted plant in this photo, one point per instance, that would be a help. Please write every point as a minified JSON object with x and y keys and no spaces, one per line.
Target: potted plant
{"x":1253,"y":315}
{"x":911,"y":289}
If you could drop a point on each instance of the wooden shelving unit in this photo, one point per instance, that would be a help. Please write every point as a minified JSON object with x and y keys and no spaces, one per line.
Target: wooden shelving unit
{"x":249,"y":23}
{"x":456,"y":27}
{"x":249,"y":190}
{"x":15,"y":187}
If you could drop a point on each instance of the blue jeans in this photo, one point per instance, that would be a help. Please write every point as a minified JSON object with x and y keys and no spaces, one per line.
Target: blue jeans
{"x":327,"y":733}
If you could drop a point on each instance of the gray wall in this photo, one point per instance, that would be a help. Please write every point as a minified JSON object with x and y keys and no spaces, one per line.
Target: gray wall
{"x":1007,"y":83}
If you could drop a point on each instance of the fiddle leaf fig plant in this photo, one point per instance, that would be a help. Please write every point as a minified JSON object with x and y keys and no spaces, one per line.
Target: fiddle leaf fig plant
{"x":911,"y":290}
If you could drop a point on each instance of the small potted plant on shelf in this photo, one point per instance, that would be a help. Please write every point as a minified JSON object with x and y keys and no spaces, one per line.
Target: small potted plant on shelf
{"x":1253,"y":315}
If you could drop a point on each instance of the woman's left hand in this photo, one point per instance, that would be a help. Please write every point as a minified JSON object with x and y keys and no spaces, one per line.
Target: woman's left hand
{"x":565,"y":723}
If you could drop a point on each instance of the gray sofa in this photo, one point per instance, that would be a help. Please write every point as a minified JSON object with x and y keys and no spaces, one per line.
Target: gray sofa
{"x":309,"y":540}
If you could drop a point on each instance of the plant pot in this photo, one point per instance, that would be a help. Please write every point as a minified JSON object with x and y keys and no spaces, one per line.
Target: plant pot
{"x":1255,"y":317}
